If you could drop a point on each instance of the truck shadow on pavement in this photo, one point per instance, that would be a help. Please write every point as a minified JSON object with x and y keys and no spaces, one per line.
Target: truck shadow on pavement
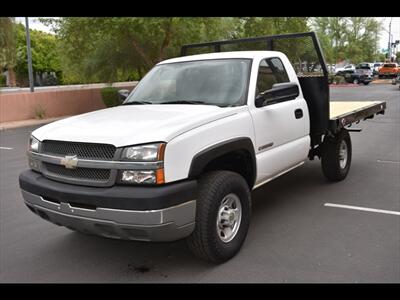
{"x":134,"y":260}
{"x":287,"y":188}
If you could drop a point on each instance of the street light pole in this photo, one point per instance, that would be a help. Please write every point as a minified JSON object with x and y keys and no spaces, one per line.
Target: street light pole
{"x":28,"y":50}
{"x":390,"y":44}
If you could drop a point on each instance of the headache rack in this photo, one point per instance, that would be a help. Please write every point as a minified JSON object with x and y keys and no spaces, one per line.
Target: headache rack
{"x":304,"y":52}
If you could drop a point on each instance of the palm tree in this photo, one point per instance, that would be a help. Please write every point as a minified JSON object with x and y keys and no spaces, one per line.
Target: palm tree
{"x":7,"y":47}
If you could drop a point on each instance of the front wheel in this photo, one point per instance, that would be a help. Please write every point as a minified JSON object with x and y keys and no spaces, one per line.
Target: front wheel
{"x":336,"y":156}
{"x":222,"y":216}
{"x":366,"y":82}
{"x":355,"y":81}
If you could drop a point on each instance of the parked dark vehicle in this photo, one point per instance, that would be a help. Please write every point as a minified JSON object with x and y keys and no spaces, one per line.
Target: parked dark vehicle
{"x":359,"y":76}
{"x":366,"y":68}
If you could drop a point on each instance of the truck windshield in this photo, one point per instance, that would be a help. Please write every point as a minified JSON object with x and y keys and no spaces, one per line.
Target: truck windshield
{"x":221,"y":82}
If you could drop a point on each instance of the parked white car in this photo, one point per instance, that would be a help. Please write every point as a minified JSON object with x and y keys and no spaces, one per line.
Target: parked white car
{"x":331,"y":68}
{"x":350,"y":68}
{"x":377,"y":66}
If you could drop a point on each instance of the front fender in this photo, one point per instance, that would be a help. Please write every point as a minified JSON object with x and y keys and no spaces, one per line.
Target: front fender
{"x":201,"y":159}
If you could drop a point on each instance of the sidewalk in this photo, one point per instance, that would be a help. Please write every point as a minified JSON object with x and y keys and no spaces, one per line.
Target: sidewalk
{"x":30,"y":122}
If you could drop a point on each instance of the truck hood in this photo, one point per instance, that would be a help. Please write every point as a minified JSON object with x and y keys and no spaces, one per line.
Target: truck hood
{"x":136,"y":124}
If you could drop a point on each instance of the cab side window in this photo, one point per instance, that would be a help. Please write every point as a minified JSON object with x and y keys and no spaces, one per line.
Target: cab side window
{"x":271,"y":71}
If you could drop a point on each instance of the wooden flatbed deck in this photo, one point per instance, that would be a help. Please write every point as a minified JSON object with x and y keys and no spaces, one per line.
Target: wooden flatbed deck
{"x":343,"y":113}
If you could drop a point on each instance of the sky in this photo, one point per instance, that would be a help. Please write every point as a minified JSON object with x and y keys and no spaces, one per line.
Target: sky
{"x":34,"y":23}
{"x":385,"y":34}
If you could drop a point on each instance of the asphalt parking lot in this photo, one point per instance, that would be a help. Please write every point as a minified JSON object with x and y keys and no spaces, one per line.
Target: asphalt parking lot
{"x":294,"y":236}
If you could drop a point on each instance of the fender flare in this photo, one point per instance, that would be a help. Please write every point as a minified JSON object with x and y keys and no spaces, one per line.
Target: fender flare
{"x":201,"y":159}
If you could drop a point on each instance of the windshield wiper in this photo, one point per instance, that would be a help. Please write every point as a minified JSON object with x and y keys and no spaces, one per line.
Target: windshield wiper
{"x":185,"y":102}
{"x":137,"y":102}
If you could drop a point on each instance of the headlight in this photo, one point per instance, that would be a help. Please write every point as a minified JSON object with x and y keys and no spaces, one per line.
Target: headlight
{"x":33,"y":144}
{"x":143,"y":153}
{"x":150,"y":152}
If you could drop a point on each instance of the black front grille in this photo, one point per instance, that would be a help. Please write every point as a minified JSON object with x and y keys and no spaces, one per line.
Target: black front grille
{"x":82,"y":150}
{"x":96,"y":175}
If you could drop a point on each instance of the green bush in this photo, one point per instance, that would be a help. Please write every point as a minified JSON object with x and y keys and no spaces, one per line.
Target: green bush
{"x":334,"y":79}
{"x":338,"y":80}
{"x":110,"y":96}
{"x":3,"y":80}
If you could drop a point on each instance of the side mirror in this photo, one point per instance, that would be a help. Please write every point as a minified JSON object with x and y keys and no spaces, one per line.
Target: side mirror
{"x":279,"y":92}
{"x":123,"y":94}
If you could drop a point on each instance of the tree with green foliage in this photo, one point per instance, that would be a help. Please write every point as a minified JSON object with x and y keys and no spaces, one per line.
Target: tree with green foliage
{"x":125,"y":48}
{"x":45,"y":57}
{"x":121,"y":48}
{"x":348,"y":38}
{"x":8,"y":47}
{"x":261,"y":26}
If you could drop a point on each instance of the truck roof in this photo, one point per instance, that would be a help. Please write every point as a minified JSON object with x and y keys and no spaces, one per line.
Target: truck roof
{"x":220,"y":55}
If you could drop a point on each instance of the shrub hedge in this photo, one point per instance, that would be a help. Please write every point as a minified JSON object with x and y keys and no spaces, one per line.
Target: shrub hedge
{"x":3,"y":80}
{"x":334,"y":79}
{"x":110,"y":96}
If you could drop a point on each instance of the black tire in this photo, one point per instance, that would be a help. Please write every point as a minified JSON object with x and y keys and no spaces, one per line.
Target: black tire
{"x":330,"y":156}
{"x":366,"y":82}
{"x":356,"y":81}
{"x":205,"y":242}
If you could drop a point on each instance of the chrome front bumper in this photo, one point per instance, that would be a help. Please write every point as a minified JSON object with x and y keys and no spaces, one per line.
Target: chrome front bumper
{"x":169,"y":224}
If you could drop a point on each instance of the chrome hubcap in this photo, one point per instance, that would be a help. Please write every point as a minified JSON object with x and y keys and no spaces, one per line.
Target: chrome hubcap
{"x":343,"y":154}
{"x":229,"y":217}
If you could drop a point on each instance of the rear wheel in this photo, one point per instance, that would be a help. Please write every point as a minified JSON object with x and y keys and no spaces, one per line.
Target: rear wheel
{"x":336,"y":156}
{"x":222,"y":216}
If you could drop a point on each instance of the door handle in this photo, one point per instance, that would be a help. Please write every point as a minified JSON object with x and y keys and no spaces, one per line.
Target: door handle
{"x":298,"y":113}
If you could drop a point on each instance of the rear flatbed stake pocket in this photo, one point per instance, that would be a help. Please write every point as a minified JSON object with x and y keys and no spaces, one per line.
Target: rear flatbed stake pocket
{"x":224,"y":118}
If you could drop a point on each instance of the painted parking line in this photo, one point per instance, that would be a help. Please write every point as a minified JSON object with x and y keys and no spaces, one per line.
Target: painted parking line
{"x":388,"y":161}
{"x":382,"y":211}
{"x":6,"y":148}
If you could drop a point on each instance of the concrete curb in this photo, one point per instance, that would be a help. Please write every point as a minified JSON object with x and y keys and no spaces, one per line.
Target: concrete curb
{"x":344,"y":85}
{"x":27,"y":123}
{"x":382,"y":81}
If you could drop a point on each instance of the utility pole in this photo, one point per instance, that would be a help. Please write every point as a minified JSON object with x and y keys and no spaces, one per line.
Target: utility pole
{"x":28,"y":49}
{"x":390,"y":43}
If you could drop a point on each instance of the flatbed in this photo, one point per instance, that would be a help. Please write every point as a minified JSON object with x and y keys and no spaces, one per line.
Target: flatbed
{"x":344,"y":113}
{"x":325,"y":116}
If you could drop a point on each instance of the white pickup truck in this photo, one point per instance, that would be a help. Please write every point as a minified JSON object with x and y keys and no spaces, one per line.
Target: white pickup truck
{"x":180,"y":156}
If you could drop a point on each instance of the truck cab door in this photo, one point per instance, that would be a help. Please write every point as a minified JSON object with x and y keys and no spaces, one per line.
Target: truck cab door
{"x":281,"y":129}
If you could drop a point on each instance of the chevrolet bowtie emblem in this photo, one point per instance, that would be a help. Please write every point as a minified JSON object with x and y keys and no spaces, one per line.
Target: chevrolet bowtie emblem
{"x":70,"y":161}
